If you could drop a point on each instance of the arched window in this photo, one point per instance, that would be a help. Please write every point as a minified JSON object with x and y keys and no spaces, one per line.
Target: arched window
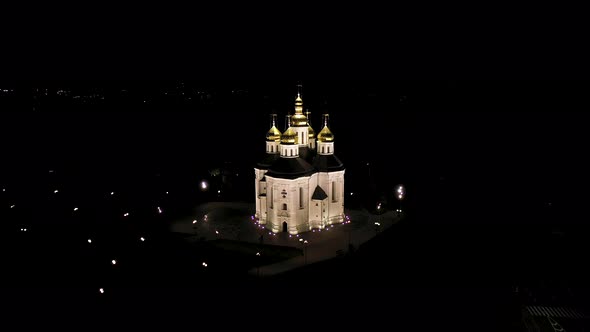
{"x":300,"y":198}
{"x":334,"y":192}
{"x":284,"y":206}
{"x":272,"y":148}
{"x":322,"y":149}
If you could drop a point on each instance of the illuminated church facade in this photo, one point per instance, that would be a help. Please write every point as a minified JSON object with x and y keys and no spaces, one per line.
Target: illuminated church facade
{"x":299,"y":184}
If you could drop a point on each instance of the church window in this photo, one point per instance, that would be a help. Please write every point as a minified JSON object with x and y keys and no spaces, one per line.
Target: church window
{"x":284,"y":207}
{"x":300,"y":198}
{"x":270,"y":197}
{"x":334,"y":192}
{"x":272,"y":148}
{"x":322,"y":149}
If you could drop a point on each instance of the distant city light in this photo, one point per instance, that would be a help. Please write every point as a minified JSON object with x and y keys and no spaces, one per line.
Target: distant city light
{"x":12,"y":206}
{"x":50,"y":171}
{"x":89,"y":240}
{"x":142,"y":239}
{"x":55,"y":191}
{"x":258,"y":254}
{"x":101,"y":290}
{"x":195,"y":221}
{"x":3,"y":189}
{"x":75,"y":209}
{"x":166,"y":193}
{"x":114,"y":262}
{"x":377,"y":223}
{"x":204,"y":185}
{"x":216,"y":232}
{"x":204,"y":264}
{"x":126,"y":214}
{"x":159,"y":210}
{"x":219,"y":191}
{"x":112,"y":193}
{"x":351,"y":194}
{"x":401,"y":192}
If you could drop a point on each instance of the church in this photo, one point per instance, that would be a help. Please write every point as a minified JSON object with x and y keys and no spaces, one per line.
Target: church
{"x":299,"y":183}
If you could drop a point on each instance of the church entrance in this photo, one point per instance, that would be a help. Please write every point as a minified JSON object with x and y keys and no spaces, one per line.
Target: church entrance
{"x":284,"y":226}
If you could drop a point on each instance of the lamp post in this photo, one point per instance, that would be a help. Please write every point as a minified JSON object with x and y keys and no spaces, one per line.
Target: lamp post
{"x":258,"y":265}
{"x":305,"y":252}
{"x":400,"y":193}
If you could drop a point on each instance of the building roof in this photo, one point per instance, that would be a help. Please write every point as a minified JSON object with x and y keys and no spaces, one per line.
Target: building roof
{"x":306,"y":153}
{"x":319,"y":194}
{"x":267,"y":160}
{"x":327,"y":163}
{"x":290,"y":168}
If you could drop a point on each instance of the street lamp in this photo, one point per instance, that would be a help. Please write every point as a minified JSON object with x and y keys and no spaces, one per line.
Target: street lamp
{"x":400,"y":193}
{"x":258,"y":264}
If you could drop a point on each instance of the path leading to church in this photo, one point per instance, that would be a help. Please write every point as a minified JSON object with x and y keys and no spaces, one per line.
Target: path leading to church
{"x":234,"y":221}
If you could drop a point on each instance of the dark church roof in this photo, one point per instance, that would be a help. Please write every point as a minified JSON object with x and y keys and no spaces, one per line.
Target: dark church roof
{"x":290,"y":168}
{"x":268,"y":160}
{"x":327,"y":163}
{"x":307,"y":163}
{"x":306,"y":153}
{"x":319,"y":194}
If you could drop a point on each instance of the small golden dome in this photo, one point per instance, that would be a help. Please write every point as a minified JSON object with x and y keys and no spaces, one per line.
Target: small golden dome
{"x":289,"y":137}
{"x":311,"y":132}
{"x":273,"y":135}
{"x":326,"y":135}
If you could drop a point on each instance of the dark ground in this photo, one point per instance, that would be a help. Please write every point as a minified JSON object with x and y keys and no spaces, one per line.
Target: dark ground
{"x":496,"y":178}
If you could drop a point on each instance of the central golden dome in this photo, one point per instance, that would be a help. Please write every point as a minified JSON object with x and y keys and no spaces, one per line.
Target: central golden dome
{"x":273,"y":135}
{"x":326,"y":135}
{"x":289,"y":137}
{"x":299,"y":120}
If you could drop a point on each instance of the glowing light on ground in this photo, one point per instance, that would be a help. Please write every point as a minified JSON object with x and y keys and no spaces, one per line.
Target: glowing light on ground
{"x":204,"y":185}
{"x":195,"y":221}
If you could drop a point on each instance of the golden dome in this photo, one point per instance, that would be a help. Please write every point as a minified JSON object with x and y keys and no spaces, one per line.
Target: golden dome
{"x":311,"y":132}
{"x":326,"y":135}
{"x":273,"y":134}
{"x":289,"y":137}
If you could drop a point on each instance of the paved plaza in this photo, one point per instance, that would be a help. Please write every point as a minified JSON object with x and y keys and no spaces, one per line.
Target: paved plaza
{"x":234,"y":221}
